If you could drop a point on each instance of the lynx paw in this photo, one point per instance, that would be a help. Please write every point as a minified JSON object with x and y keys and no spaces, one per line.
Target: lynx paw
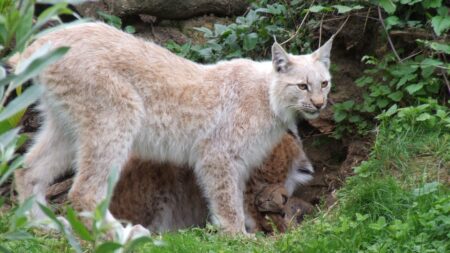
{"x":137,"y":231}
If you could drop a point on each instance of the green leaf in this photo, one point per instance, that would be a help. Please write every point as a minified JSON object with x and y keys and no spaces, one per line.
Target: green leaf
{"x":424,"y":116}
{"x":250,"y":41}
{"x":136,"y":242}
{"x":382,"y":103}
{"x":316,"y":8}
{"x":392,"y":21}
{"x":440,"y":47}
{"x":19,"y":214}
{"x":431,"y":3}
{"x":428,"y":66}
{"x":396,"y":96}
{"x":391,"y":111}
{"x":24,"y":26}
{"x":426,"y":189}
{"x":108,"y":247}
{"x":130,"y":29}
{"x":339,"y":116}
{"x":11,"y":168}
{"x":17,"y":235}
{"x":34,"y":65}
{"x":78,"y":226}
{"x":344,"y":9}
{"x":50,"y":214}
{"x":405,"y":79}
{"x":413,"y":88}
{"x":4,"y":250}
{"x":440,"y":24}
{"x":21,"y":102}
{"x":219,"y":29}
{"x":44,"y":17}
{"x":347,"y":105}
{"x":8,"y":137}
{"x":206,"y":32}
{"x":387,"y":5}
{"x":111,"y":19}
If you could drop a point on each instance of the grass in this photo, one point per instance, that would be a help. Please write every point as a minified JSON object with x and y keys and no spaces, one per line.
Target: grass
{"x":398,"y":201}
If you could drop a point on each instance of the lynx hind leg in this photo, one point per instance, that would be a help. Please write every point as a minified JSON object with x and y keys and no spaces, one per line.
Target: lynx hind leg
{"x":105,"y":141}
{"x":50,"y":156}
{"x":219,"y":180}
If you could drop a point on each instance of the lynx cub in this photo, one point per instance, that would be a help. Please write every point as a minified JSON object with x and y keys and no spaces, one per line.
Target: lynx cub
{"x":113,"y":94}
{"x":164,"y":197}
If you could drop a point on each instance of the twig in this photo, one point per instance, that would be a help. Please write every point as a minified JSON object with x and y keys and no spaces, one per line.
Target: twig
{"x":367,"y":19}
{"x":320,"y":30}
{"x":388,"y":37}
{"x":342,"y":26}
{"x":300,"y":26}
{"x":412,"y":55}
{"x":444,"y":74}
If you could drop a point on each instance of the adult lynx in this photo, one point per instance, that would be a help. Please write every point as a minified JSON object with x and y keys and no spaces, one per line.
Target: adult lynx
{"x":113,"y":94}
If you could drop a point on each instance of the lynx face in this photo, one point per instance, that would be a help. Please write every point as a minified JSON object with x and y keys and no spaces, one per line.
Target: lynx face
{"x":301,"y":83}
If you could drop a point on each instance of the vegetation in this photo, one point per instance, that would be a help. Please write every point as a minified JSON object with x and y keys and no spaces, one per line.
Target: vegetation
{"x":397,"y":201}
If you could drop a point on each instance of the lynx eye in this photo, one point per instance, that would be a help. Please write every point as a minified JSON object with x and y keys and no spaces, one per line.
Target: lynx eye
{"x":324,"y":84}
{"x":302,"y":86}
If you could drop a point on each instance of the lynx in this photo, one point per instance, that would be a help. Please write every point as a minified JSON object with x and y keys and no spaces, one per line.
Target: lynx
{"x":113,"y":94}
{"x":164,"y":197}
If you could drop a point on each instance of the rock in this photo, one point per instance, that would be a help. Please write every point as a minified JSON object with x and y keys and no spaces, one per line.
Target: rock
{"x":165,"y":9}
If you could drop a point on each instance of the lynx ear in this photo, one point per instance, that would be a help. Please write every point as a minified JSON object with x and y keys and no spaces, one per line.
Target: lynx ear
{"x":280,"y":59}
{"x":323,"y":53}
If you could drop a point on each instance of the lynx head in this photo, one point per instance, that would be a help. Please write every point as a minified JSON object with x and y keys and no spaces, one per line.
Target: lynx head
{"x":301,"y":83}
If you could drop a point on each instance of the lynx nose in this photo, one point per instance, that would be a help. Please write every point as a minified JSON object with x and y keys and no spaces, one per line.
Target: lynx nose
{"x":317,"y":102}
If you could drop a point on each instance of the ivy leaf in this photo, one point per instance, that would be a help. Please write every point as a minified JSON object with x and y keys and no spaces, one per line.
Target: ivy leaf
{"x":130,"y":29}
{"x":339,"y":116}
{"x":428,"y":66}
{"x":413,"y":88}
{"x":387,"y":5}
{"x":391,"y":111}
{"x":445,"y":48}
{"x":440,"y":24}
{"x":207,"y":33}
{"x":392,"y":21}
{"x":316,"y":8}
{"x":250,"y":41}
{"x":431,"y":3}
{"x":396,"y":96}
{"x":424,"y":116}
{"x":342,"y":8}
{"x":382,"y":103}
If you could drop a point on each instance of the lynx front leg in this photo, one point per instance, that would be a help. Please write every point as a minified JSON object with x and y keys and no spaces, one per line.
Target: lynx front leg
{"x":220,"y":182}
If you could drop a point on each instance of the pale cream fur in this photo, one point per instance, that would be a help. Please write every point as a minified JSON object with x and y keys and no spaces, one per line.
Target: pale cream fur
{"x":113,"y":94}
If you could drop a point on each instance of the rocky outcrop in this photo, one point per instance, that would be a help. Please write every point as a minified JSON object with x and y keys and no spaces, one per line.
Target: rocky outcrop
{"x":165,"y":9}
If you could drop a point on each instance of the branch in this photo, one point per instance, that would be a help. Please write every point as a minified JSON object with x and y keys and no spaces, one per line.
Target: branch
{"x":300,"y":26}
{"x":387,"y":34}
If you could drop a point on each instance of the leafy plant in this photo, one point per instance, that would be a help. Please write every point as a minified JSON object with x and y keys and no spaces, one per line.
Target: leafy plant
{"x":115,"y":21}
{"x":250,"y":35}
{"x":391,"y":82}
